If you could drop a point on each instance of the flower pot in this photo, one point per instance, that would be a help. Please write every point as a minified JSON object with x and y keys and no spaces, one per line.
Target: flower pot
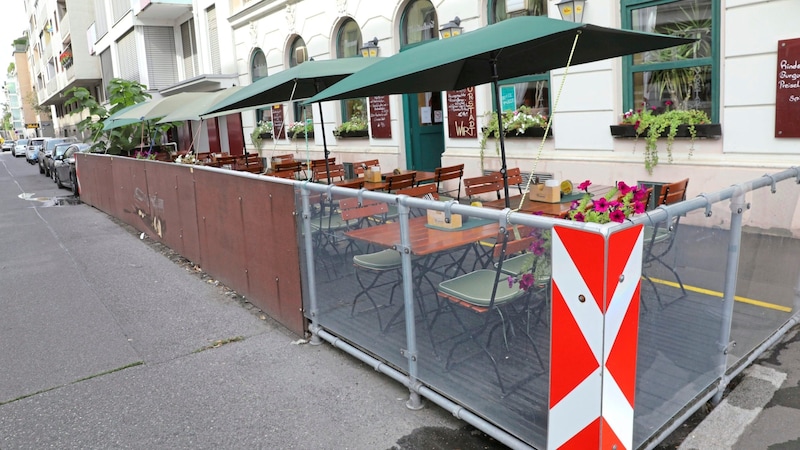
{"x":708,"y":130}
{"x":265,"y":135}
{"x":353,"y":134}
{"x":301,"y":135}
{"x":529,"y":132}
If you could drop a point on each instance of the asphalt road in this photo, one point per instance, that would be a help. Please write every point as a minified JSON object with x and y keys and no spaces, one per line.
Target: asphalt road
{"x":107,"y":343}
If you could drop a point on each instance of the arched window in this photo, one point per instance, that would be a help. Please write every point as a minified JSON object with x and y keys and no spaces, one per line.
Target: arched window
{"x":258,"y":65}
{"x":419,"y":23}
{"x":258,"y":70}
{"x":298,"y":54}
{"x":348,"y":45}
{"x":530,"y":91}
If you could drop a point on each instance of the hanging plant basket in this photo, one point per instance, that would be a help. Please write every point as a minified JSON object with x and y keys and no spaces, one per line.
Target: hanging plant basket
{"x":265,"y":135}
{"x":710,"y":130}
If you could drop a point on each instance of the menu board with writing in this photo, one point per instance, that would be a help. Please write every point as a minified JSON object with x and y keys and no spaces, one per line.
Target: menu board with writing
{"x":461,"y":118}
{"x":787,"y":99}
{"x":380,"y":119}
{"x":278,"y":125}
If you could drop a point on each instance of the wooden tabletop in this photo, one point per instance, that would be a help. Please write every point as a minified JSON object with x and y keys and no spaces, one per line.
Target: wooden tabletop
{"x":424,"y":240}
{"x":422,"y":176}
{"x":547,"y":209}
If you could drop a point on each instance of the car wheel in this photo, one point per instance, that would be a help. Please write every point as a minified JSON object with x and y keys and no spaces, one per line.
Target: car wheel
{"x":74,"y":184}
{"x":41,"y":169}
{"x":57,"y":180}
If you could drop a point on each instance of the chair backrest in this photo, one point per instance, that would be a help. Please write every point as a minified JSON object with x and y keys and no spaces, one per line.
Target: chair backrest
{"x":358,"y":167}
{"x":514,"y":176}
{"x":674,"y":192}
{"x":449,"y":173}
{"x":332,"y":172}
{"x":419,"y":191}
{"x":290,"y":174}
{"x":481,"y":185}
{"x":295,"y":166}
{"x":351,"y":210}
{"x":355,"y":184}
{"x":400,"y":181}
{"x":321,"y":162}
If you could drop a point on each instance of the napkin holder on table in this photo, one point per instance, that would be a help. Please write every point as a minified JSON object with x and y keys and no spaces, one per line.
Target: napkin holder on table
{"x":546,"y":194}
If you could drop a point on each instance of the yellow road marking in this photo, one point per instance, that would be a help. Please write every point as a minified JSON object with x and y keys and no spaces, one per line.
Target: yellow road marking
{"x":719,"y":295}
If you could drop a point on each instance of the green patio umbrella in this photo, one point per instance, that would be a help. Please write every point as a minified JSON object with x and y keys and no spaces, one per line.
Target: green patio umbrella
{"x":299,"y":82}
{"x":194,"y":108}
{"x":114,"y":121}
{"x":511,"y":48}
{"x":160,"y":107}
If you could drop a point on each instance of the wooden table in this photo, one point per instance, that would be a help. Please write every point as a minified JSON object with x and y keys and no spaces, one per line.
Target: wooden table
{"x":424,"y":241}
{"x":547,"y":209}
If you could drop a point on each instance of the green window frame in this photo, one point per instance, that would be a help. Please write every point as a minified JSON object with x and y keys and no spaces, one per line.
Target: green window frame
{"x":258,"y":70}
{"x":298,"y":54}
{"x":532,"y":91}
{"x":681,"y":77}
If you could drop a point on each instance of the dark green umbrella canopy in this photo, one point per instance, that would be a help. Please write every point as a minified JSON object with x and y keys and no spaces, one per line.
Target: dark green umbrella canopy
{"x":511,"y":48}
{"x":299,"y":82}
{"x":515,"y":47}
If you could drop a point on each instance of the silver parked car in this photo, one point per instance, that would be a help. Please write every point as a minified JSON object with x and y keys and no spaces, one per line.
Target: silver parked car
{"x":45,"y":155}
{"x":64,"y":166}
{"x":32,"y":150}
{"x":19,"y":147}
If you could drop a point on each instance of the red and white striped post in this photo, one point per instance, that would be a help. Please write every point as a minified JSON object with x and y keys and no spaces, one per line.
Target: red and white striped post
{"x":595,"y":321}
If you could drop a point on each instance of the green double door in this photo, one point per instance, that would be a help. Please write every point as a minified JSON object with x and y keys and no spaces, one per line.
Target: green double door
{"x":424,"y":130}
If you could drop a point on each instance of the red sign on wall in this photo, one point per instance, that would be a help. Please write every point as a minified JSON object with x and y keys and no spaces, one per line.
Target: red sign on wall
{"x":787,"y":98}
{"x":278,"y":125}
{"x":461,"y":119}
{"x":380,"y":118}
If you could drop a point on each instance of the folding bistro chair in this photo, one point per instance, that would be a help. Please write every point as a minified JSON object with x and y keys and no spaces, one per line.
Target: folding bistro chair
{"x":660,"y":238}
{"x":400,"y":181}
{"x":442,"y":174}
{"x":483,"y":185}
{"x":333,"y":173}
{"x":486,"y":293}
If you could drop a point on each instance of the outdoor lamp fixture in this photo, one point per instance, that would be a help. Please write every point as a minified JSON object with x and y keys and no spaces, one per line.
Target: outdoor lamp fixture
{"x":452,"y":28}
{"x":571,"y":10}
{"x":516,"y":8}
{"x":370,"y":48}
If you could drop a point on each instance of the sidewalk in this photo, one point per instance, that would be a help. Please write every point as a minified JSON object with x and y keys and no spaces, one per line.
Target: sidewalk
{"x":107,"y":343}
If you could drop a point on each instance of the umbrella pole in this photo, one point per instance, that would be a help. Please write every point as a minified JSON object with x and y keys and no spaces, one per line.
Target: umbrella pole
{"x":498,"y":107}
{"x":324,"y":141}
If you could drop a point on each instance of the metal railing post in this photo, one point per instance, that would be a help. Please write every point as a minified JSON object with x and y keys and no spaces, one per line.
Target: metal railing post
{"x":411,"y":353}
{"x":312,"y":281}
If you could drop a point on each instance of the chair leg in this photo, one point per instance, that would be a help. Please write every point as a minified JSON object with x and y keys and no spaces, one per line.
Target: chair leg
{"x":365,"y":291}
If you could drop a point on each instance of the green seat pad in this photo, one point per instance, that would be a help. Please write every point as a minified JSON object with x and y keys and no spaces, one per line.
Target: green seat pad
{"x":382,"y":260}
{"x":476,"y":288}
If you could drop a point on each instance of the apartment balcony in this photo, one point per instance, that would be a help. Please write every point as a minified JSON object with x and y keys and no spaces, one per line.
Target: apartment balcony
{"x":66,"y":29}
{"x":163,"y":9}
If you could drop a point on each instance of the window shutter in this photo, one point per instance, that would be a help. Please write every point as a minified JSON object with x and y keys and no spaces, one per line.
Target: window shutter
{"x":188,"y":44}
{"x":119,"y":8}
{"x":101,"y":25}
{"x":128,"y":59}
{"x":213,"y":40}
{"x":107,"y":68}
{"x":162,"y":67}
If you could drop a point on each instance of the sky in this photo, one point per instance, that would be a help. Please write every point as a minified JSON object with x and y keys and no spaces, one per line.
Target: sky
{"x":14,"y":23}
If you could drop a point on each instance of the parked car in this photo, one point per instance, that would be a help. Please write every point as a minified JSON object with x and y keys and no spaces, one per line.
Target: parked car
{"x":47,"y":151}
{"x":32,"y":150}
{"x":64,"y":166}
{"x":59,"y":150}
{"x":8,"y":145}
{"x":19,"y":147}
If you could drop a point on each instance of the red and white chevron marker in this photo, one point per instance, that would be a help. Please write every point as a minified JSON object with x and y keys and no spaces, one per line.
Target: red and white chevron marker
{"x":595,"y":322}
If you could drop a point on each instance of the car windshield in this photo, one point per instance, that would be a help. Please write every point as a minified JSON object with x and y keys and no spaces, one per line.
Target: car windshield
{"x":60,"y":149}
{"x":53,"y":142}
{"x":22,"y":142}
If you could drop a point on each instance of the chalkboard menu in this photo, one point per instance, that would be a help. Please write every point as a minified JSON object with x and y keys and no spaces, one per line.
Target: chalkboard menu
{"x":278,"y":126}
{"x":380,"y":119}
{"x":787,"y":100}
{"x":461,"y":113}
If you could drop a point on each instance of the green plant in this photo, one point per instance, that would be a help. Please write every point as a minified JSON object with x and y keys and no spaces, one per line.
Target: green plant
{"x":300,"y":127}
{"x":261,"y":128}
{"x":653,"y":126}
{"x":356,"y":123}
{"x":121,"y":94}
{"x":515,"y":122}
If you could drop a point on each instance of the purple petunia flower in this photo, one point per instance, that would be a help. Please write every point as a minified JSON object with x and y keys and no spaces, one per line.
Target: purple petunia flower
{"x":511,"y":281}
{"x":639,"y":207}
{"x":579,"y":217}
{"x":526,"y":282}
{"x":585,"y":185}
{"x":601,"y":204}
{"x":617,"y":216}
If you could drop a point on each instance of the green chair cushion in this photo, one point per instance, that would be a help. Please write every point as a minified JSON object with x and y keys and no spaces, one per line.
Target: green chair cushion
{"x":382,"y":260}
{"x":476,"y":288}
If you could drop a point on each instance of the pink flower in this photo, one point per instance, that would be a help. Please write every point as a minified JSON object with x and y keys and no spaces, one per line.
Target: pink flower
{"x":639,"y":207}
{"x":601,"y":204}
{"x":511,"y":281}
{"x":584,"y":186}
{"x":617,"y":216}
{"x":579,"y":217}
{"x":526,"y":282}
{"x":623,"y":188}
{"x":639,"y":194}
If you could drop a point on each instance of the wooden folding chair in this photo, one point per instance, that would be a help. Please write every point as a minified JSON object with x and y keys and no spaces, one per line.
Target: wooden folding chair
{"x":659,"y":239}
{"x":483,"y":185}
{"x":400,"y":181}
{"x":442,"y":174}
